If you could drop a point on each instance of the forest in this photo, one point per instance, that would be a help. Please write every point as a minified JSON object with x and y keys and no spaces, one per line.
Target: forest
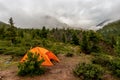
{"x":102,"y":45}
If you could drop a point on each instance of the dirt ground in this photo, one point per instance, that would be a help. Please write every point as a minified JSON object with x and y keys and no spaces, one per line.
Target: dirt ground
{"x":60,"y":71}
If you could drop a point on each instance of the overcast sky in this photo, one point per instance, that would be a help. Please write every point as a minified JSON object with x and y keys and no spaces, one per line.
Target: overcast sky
{"x":73,"y":12}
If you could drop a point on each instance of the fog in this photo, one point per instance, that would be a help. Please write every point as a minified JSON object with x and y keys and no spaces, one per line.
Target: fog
{"x":76,"y":13}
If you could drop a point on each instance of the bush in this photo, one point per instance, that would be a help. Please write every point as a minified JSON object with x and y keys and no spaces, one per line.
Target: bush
{"x":103,"y":60}
{"x":115,"y":66}
{"x":96,"y":48}
{"x":2,"y":50}
{"x":69,"y":54}
{"x":90,"y":41}
{"x":89,"y":71}
{"x":111,"y":63}
{"x":117,"y":46}
{"x":31,"y":66}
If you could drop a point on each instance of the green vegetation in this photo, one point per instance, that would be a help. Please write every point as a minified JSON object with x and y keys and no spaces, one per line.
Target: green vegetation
{"x":117,"y":46}
{"x":103,"y":45}
{"x":32,"y":66}
{"x":90,"y":42}
{"x":69,"y":54}
{"x":110,"y":32}
{"x":55,"y":39}
{"x":115,"y":67}
{"x":89,"y":71}
{"x":111,"y":63}
{"x":102,"y":59}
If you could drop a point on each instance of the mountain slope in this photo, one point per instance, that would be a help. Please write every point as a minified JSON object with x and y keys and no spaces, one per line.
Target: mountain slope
{"x":51,"y":22}
{"x":44,"y":20}
{"x":111,"y":29}
{"x":110,"y":32}
{"x":2,"y":24}
{"x":102,"y":23}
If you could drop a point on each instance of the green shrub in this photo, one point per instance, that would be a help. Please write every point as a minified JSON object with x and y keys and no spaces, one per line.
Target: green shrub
{"x":36,"y":42}
{"x":96,"y":48}
{"x":103,"y":60}
{"x":90,"y":42}
{"x":111,"y":63}
{"x":17,"y":40}
{"x":117,"y":46}
{"x":89,"y":71}
{"x":57,"y":48}
{"x":2,"y":50}
{"x":115,"y":66}
{"x":31,"y":66}
{"x":69,"y":54}
{"x":56,"y":52}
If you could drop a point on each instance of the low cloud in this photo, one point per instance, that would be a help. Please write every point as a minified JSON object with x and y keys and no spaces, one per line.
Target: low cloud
{"x":77,"y":13}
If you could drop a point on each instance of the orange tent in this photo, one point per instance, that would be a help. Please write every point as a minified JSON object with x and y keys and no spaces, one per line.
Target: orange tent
{"x":45,"y":54}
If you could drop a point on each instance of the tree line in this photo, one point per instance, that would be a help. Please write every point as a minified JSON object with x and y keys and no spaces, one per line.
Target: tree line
{"x":88,"y":40}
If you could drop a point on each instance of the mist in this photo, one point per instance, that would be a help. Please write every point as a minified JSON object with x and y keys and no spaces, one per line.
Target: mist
{"x":76,"y":13}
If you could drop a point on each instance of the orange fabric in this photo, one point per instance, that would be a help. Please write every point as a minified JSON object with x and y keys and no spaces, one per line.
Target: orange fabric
{"x":52,"y":56}
{"x":24,"y":58}
{"x":44,"y":53}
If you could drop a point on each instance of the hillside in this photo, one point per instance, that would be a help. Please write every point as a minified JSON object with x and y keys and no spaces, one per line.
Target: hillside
{"x":111,"y":29}
{"x":2,"y":24}
{"x":110,"y":32}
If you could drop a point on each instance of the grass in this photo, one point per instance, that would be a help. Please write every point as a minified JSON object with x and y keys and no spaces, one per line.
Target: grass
{"x":21,"y":48}
{"x":56,"y":47}
{"x":5,"y":63}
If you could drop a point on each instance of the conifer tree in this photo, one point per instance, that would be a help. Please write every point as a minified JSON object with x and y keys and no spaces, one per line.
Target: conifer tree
{"x":64,"y":38}
{"x":44,"y":32}
{"x":11,"y":31}
{"x":75,"y":39}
